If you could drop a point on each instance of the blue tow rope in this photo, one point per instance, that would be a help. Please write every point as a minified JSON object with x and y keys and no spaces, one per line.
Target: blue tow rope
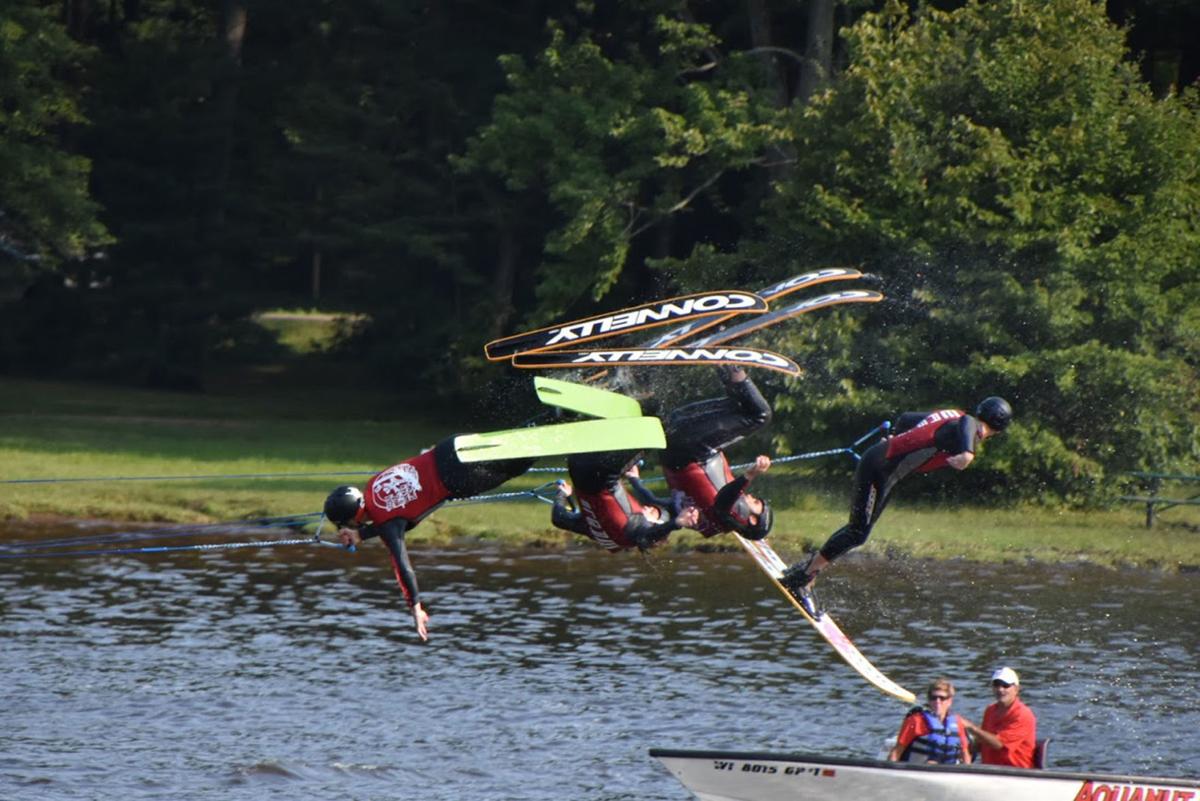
{"x":219,"y":476}
{"x":46,"y":549}
{"x":211,"y":546}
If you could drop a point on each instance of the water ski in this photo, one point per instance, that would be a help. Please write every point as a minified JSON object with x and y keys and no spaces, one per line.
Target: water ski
{"x":616,"y":434}
{"x":583,"y":399}
{"x":624,"y":321}
{"x":770,"y":563}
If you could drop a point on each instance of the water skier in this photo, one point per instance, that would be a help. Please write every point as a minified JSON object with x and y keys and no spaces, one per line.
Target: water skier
{"x":923,"y":442}
{"x":400,"y":497}
{"x":694,"y":460}
{"x":602,"y":509}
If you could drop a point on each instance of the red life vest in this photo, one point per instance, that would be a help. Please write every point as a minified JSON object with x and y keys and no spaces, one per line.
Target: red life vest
{"x":939,"y":743}
{"x":410,"y":490}
{"x":701,"y":483}
{"x":921,"y":437}
{"x":606,"y":515}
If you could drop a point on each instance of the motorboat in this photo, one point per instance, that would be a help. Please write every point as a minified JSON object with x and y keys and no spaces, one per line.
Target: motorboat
{"x":753,"y":776}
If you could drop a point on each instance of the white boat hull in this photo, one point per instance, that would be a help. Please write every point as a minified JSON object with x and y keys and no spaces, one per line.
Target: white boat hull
{"x":736,"y":776}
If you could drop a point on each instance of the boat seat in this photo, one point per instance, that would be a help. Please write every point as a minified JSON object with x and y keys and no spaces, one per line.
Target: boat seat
{"x":1039,"y":753}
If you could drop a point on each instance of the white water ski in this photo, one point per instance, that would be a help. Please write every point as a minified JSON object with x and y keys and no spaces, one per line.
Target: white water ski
{"x":770,"y":563}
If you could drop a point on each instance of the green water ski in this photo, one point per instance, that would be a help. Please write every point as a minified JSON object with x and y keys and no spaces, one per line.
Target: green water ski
{"x":591,"y":401}
{"x":617,"y":434}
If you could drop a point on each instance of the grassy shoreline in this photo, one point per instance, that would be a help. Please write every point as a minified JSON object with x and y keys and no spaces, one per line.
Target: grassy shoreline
{"x":226,"y":444}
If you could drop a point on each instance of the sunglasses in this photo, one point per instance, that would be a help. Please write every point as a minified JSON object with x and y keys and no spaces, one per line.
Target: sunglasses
{"x":998,"y":683}
{"x":939,"y":698}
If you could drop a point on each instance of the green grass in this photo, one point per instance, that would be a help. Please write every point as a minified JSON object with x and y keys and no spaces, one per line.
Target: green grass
{"x":1114,"y":538}
{"x":51,"y":431}
{"x":304,"y":331}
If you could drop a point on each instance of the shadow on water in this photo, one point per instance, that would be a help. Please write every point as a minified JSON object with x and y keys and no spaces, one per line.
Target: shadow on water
{"x":294,"y":673}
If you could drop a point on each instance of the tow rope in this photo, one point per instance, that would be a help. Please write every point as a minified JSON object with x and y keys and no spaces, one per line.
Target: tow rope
{"x":74,"y":547}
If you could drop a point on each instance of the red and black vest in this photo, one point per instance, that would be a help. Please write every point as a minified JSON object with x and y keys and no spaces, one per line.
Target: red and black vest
{"x":606,"y":515}
{"x":921,"y":437}
{"x":701,"y":483}
{"x":410,"y":490}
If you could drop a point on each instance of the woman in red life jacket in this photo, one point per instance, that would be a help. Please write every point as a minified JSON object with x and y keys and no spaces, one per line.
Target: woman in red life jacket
{"x":400,"y":497}
{"x":932,"y":733}
{"x":602,"y":509}
{"x":694,"y":460}
{"x":922,"y":442}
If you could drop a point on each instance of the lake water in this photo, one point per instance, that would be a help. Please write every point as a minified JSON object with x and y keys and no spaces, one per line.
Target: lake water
{"x":294,"y":673}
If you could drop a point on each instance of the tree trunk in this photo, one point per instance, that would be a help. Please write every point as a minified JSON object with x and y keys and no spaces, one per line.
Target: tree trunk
{"x":316,"y":275}
{"x":504,"y":279}
{"x":76,"y":15}
{"x":760,"y":37}
{"x":779,"y":157}
{"x":504,"y":274}
{"x":817,"y":68}
{"x":225,"y":96}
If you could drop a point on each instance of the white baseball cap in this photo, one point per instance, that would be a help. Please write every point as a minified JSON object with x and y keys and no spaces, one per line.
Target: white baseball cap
{"x":1006,"y":675}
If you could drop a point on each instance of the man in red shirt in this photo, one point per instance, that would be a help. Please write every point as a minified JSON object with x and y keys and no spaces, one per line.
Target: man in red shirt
{"x":1008,"y":735}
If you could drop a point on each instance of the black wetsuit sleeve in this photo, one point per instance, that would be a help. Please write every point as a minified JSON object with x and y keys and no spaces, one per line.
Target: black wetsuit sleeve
{"x":729,"y":494}
{"x":644,"y":495}
{"x":959,"y":436}
{"x":648,"y":535}
{"x":566,"y":518}
{"x":907,"y":421}
{"x":392,"y":533}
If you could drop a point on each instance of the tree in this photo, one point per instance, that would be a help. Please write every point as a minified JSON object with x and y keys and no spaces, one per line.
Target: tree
{"x":46,"y":211}
{"x":627,"y":124}
{"x":385,"y":93}
{"x":1007,"y":170}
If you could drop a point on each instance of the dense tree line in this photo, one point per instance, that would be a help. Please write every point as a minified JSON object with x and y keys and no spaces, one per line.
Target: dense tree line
{"x":1022,"y":177}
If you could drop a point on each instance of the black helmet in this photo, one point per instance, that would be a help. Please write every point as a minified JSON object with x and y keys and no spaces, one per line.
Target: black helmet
{"x":759,"y":530}
{"x":343,"y":504}
{"x":994,"y":411}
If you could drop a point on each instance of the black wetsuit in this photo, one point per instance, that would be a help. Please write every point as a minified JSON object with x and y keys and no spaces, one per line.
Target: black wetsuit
{"x":694,"y":460}
{"x":617,"y":520}
{"x":886,"y":463}
{"x":458,"y":480}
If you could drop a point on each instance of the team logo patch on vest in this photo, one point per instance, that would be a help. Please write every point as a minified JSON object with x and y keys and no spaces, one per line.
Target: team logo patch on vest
{"x":595,"y":527}
{"x":395,"y":487}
